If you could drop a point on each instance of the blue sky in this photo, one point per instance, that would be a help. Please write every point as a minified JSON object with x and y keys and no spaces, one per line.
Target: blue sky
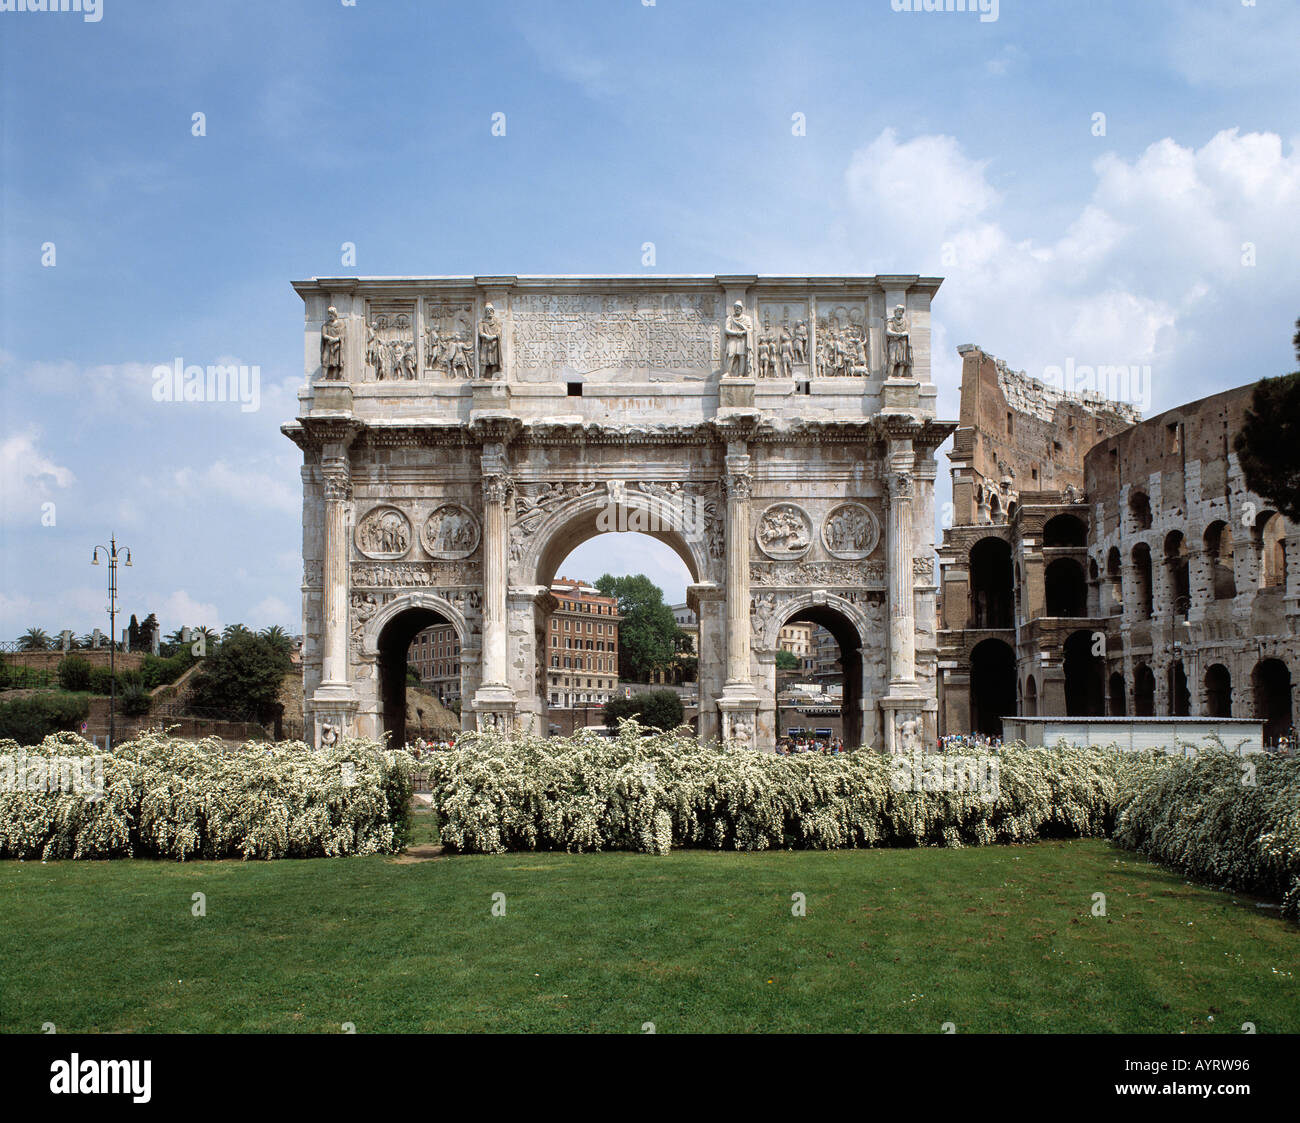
{"x":935,"y":143}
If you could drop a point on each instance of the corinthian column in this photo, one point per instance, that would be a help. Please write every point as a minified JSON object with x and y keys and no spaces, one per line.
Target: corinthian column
{"x":902,"y":612}
{"x":333,"y":707}
{"x":334,"y":594}
{"x":494,"y":701}
{"x":496,"y":493}
{"x":739,"y":486}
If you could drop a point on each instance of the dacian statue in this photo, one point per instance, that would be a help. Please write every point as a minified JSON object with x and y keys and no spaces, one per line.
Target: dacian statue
{"x":331,"y":345}
{"x":898,"y":363}
{"x":738,"y":331}
{"x":489,"y":343}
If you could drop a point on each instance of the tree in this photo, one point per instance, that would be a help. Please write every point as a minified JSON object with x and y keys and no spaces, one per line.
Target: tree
{"x":74,"y":673}
{"x":148,"y":629}
{"x":279,"y":637}
{"x":786,"y":660}
{"x":413,"y":675}
{"x":234,"y":631}
{"x":242,"y":678}
{"x":647,"y":634}
{"x":34,"y":639}
{"x":659,"y":709}
{"x":1268,"y":444}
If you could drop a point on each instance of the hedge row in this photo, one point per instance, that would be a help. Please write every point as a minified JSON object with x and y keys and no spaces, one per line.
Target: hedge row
{"x":651,"y":793}
{"x":167,"y":798}
{"x":1221,"y":819}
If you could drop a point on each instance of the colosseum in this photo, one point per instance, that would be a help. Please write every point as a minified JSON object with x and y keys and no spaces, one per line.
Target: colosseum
{"x":1101,"y":564}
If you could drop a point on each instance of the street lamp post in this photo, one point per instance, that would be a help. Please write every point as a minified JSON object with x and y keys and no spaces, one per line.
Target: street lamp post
{"x":111,"y":553}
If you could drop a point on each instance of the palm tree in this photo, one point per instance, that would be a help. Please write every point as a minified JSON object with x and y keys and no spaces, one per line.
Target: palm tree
{"x":278,"y":638}
{"x":233,"y":630}
{"x":34,"y":639}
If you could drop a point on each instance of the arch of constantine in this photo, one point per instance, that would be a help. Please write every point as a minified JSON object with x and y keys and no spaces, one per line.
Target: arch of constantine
{"x":462,"y":435}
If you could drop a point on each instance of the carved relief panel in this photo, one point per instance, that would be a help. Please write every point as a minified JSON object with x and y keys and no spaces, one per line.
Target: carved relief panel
{"x":390,"y":341}
{"x":451,"y":532}
{"x":449,"y":350}
{"x":784,"y":532}
{"x":783,"y":339}
{"x":383,"y":533}
{"x":843,"y":342}
{"x":851,"y":531}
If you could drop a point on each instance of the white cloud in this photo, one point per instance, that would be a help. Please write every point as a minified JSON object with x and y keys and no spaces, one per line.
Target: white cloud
{"x":28,"y":478}
{"x":181,"y":610}
{"x":1148,"y":272}
{"x":247,"y":487}
{"x":272,"y":610}
{"x":926,"y":182}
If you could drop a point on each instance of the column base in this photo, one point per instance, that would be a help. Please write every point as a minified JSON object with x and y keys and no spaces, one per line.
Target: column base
{"x":494,"y":709}
{"x":334,"y":711}
{"x":908,"y":719}
{"x":738,"y":710}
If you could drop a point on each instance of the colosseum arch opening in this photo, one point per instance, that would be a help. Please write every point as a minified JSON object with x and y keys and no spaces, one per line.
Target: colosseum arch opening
{"x":1272,"y":688}
{"x":1066,"y":588}
{"x":1143,"y":585}
{"x":1269,"y":534}
{"x":1085,"y":671}
{"x":1178,"y":572}
{"x":1218,"y":691}
{"x":1219,"y":554}
{"x":1065,"y":530}
{"x":991,"y":596}
{"x":992,"y":686}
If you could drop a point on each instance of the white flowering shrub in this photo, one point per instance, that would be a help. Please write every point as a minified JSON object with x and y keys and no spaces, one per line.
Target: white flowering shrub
{"x":651,"y":791}
{"x":1220,"y":819}
{"x":168,"y":798}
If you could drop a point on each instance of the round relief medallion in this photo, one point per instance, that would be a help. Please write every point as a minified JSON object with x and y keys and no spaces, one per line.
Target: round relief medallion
{"x":784,"y":532}
{"x":451,"y":532}
{"x":851,"y":531}
{"x":383,"y":533}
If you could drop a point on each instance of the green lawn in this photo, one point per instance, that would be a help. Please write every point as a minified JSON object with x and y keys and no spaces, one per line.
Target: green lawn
{"x":993,"y":939}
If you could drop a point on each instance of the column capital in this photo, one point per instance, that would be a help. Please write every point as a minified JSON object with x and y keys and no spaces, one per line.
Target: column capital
{"x":336,"y":474}
{"x":738,"y":485}
{"x":900,"y":484}
{"x":497,"y":489}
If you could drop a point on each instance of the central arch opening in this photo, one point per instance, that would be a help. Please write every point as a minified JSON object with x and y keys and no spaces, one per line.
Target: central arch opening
{"x":616,"y":626}
{"x":841,"y":668}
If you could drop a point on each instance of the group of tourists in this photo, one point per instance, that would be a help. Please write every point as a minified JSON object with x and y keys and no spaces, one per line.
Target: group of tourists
{"x":420,"y":747}
{"x":969,"y":741}
{"x":789,"y":746}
